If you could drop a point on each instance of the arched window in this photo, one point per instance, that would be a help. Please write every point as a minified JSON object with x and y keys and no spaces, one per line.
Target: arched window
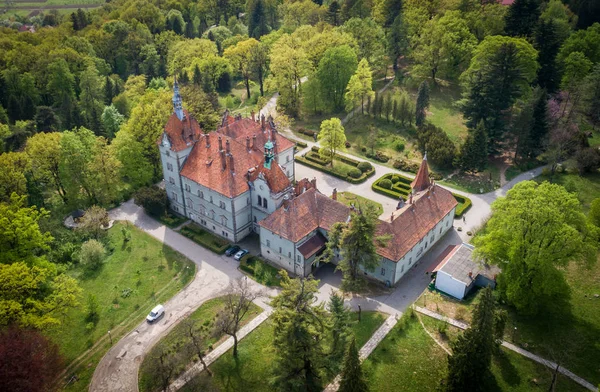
{"x":190,"y":204}
{"x":259,"y":200}
{"x":265,"y":202}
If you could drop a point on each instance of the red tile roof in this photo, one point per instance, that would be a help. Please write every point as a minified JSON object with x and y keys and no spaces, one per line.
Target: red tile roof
{"x":304,"y":214}
{"x":241,"y":128}
{"x":313,"y":245}
{"x":421,"y":181}
{"x":275,"y":177}
{"x":182,"y":134}
{"x":224,"y":173}
{"x":412,"y":222}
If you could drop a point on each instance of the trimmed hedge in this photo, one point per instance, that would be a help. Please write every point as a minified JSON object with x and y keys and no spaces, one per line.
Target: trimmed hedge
{"x":313,"y":159}
{"x":206,"y":239}
{"x":401,"y":189}
{"x":301,"y":145}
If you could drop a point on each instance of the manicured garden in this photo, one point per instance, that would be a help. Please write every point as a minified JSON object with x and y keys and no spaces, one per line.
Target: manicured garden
{"x":205,"y":238}
{"x":253,"y":369}
{"x":342,"y":167}
{"x":178,"y":341}
{"x":396,"y":186}
{"x":171,"y":220}
{"x":349,"y":199}
{"x":141,"y":273}
{"x":259,"y":270}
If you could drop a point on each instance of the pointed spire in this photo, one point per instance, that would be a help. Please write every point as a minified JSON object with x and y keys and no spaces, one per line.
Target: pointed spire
{"x":177,"y":105}
{"x":421,"y":181}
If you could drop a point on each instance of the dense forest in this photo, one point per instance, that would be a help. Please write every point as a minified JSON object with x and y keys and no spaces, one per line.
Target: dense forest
{"x":84,"y":97}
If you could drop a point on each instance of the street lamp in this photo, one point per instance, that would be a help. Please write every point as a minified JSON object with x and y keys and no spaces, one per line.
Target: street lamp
{"x":514,"y":333}
{"x":110,"y":336}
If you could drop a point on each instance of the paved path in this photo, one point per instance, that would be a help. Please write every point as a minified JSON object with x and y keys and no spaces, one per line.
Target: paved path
{"x":222,"y":348}
{"x":368,"y":348}
{"x":118,"y":369}
{"x":510,"y":346}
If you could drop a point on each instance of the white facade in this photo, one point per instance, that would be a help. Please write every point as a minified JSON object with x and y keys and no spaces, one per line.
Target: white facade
{"x":449,"y":285}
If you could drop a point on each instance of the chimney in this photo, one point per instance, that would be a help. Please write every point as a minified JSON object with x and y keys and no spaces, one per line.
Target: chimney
{"x":253,"y":116}
{"x":227,"y":147}
{"x":231,"y":167}
{"x":262,"y":122}
{"x":286,"y":203}
{"x":334,"y":194}
{"x":207,"y":140}
{"x":248,"y":143}
{"x":410,"y":200}
{"x":220,"y":144}
{"x":314,"y":182}
{"x":254,"y":141}
{"x":227,"y":128}
{"x":223,"y":164}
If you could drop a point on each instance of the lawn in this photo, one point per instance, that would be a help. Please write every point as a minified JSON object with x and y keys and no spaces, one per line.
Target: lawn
{"x":510,"y":371}
{"x":135,"y":277}
{"x":178,"y":341}
{"x":236,"y":101}
{"x":253,"y":369}
{"x":573,"y":339}
{"x":349,"y":198}
{"x":205,"y":238}
{"x":587,"y":187}
{"x":261,"y":271}
{"x":444,"y":114}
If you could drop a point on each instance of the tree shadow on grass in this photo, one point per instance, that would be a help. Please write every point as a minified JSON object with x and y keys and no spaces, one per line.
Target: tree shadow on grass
{"x":508,"y":371}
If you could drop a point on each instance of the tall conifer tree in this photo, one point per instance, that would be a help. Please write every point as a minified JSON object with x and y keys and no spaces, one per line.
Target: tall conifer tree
{"x":352,"y":376}
{"x":422,"y":103}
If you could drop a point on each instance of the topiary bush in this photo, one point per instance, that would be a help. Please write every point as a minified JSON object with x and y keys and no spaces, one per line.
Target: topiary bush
{"x":386,"y":184}
{"x":364,"y":167}
{"x":354,"y":173}
{"x":395,"y":179}
{"x":399,"y":146}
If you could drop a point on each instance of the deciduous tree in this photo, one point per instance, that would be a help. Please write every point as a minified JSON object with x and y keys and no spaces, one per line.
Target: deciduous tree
{"x":533,"y":233}
{"x":331,"y":138}
{"x":334,"y":72}
{"x":360,"y":88}
{"x":43,"y":150}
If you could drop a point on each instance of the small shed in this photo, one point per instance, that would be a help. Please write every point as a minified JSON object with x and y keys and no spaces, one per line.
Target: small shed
{"x":458,"y":272}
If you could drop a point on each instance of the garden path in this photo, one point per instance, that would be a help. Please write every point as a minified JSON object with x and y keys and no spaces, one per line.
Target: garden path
{"x":512,"y":347}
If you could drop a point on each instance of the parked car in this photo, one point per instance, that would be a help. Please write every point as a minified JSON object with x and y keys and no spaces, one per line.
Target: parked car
{"x":155,"y":314}
{"x":232,"y":250}
{"x":240,"y":254}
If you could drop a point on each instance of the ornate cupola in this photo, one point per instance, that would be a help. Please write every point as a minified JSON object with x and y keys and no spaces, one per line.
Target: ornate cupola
{"x":269,"y":156}
{"x":177,"y":106}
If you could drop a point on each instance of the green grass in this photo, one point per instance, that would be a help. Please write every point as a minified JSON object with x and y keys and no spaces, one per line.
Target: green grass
{"x":237,"y":103}
{"x":171,"y":220}
{"x":253,"y":369}
{"x":178,"y":341}
{"x":349,"y":198}
{"x":509,"y":371}
{"x":443,"y":113}
{"x":205,"y":238}
{"x":260,"y":271}
{"x":154,"y":272}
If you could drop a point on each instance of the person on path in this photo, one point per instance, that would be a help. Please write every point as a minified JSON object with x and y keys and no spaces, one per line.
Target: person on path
{"x":464,"y":220}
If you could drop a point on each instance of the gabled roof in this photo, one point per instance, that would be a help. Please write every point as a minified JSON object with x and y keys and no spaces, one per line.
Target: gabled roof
{"x":274,"y":176}
{"x":412,"y":222}
{"x":421,"y":181}
{"x":224,"y":173}
{"x":313,"y":245}
{"x":305,"y":213}
{"x":240,"y":128}
{"x":182,"y":134}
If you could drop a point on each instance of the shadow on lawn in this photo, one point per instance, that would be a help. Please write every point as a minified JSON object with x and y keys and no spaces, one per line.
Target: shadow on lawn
{"x":508,"y":371}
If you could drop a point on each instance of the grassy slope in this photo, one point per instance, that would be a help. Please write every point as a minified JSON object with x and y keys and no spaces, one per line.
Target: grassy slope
{"x":178,"y":340}
{"x":253,"y":370}
{"x":160,"y":276}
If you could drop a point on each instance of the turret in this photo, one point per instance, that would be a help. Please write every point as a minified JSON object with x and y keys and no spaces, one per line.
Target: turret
{"x":177,"y":105}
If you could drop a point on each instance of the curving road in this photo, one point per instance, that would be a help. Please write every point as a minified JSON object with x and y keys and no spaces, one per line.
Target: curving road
{"x":118,"y":369}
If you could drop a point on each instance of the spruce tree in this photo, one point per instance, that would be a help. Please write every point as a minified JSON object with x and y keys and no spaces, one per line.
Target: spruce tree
{"x":197,"y":77}
{"x":422,"y":103}
{"x":395,"y":113}
{"x":333,"y":13}
{"x":257,"y":23}
{"x":340,"y":324}
{"x":591,"y":96}
{"x":353,"y":379}
{"x":108,"y":91}
{"x":547,"y":42}
{"x":540,"y":123}
{"x":469,"y":364}
{"x":388,"y":106}
{"x":522,"y":17}
{"x":473,"y":152}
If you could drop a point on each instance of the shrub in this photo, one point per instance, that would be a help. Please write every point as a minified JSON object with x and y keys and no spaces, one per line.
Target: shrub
{"x":153,"y":200}
{"x":364,"y":166}
{"x":363,"y":149}
{"x":381,"y":157}
{"x":93,"y":221}
{"x":354,"y":173}
{"x":399,"y":146}
{"x":386,"y":184}
{"x":347,"y":144}
{"x":92,"y":254}
{"x":405,"y":166}
{"x":92,"y":313}
{"x":395,"y":179}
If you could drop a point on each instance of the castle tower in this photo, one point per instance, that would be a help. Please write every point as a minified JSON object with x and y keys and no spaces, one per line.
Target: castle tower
{"x":269,"y":155}
{"x":177,"y":105}
{"x":421,"y":181}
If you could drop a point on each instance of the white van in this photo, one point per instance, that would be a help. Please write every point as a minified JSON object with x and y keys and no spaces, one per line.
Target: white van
{"x":156,"y":313}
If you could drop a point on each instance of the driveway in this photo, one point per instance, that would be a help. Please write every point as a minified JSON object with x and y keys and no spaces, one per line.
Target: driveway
{"x":118,"y":369}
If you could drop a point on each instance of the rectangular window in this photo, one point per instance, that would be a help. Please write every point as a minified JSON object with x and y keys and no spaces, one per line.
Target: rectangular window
{"x":441,"y":230}
{"x":410,"y":261}
{"x":280,"y":250}
{"x":383,"y":271}
{"x":265,"y":203}
{"x":168,"y":153}
{"x":298,"y":258}
{"x":200,"y":194}
{"x":247,"y":201}
{"x":268,"y":243}
{"x":287,"y":159}
{"x":290,"y":255}
{"x":402,"y":269}
{"x":169,"y":166}
{"x":211,"y":200}
{"x":188,"y":188}
{"x":174,"y":196}
{"x":171,"y":180}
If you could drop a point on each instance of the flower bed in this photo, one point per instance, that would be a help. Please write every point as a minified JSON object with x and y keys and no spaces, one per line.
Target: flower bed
{"x":401,"y":188}
{"x":353,"y":176}
{"x":204,"y":238}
